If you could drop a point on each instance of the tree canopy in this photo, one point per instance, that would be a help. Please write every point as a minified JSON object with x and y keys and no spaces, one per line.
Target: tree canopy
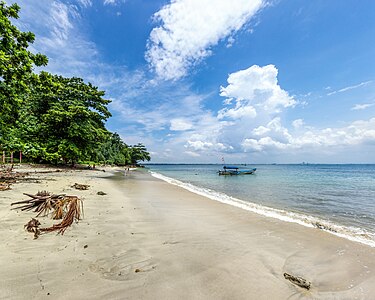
{"x":49,"y":117}
{"x":16,"y":65}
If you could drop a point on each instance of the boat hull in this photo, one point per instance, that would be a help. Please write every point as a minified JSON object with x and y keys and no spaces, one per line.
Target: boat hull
{"x":237,"y":172}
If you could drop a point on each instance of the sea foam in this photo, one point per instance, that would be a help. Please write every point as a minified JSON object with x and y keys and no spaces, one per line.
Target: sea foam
{"x":350,"y":233}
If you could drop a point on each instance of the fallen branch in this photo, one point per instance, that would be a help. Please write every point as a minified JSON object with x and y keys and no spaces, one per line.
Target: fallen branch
{"x":301,"y":282}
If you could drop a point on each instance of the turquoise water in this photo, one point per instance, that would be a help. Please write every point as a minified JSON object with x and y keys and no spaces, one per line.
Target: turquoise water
{"x":336,"y":198}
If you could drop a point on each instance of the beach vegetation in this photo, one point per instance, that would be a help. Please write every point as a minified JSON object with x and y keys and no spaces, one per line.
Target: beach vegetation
{"x":16,"y":67}
{"x":52,"y":118}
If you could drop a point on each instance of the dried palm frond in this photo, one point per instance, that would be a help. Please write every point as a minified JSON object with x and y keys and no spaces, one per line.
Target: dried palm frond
{"x":73,"y":214}
{"x":44,"y":207}
{"x":43,"y":193}
{"x":67,"y":208}
{"x":60,"y":208}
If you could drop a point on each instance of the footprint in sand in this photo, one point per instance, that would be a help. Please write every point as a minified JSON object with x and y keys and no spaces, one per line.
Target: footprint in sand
{"x":125,"y":266}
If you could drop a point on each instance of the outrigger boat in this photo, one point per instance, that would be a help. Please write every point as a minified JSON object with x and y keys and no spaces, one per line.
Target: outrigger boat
{"x":233,"y":170}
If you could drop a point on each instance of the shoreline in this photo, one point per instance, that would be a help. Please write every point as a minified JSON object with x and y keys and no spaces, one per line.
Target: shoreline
{"x":347,"y":232}
{"x":148,"y":239}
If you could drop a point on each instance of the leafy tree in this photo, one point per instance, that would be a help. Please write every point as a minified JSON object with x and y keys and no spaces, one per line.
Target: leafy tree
{"x":139,"y":153}
{"x":16,"y":66}
{"x":63,"y":119}
{"x":49,"y":117}
{"x":113,"y":151}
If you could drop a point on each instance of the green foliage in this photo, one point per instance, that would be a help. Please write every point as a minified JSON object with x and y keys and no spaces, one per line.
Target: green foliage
{"x":52,"y":118}
{"x":115,"y":151}
{"x":139,"y":153}
{"x":16,"y":66}
{"x":65,"y":117}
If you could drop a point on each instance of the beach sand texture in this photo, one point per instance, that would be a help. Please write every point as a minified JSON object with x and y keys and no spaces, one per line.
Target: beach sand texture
{"x":147,"y":239}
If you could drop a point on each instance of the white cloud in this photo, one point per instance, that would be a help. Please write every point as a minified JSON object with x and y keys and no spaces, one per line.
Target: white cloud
{"x":180,"y":125}
{"x":362,"y":106}
{"x":60,"y":18}
{"x":112,"y":2}
{"x":204,"y":146}
{"x":358,"y":132}
{"x":56,"y":25}
{"x":251,"y":144}
{"x":350,"y":88}
{"x":199,"y":145}
{"x":188,"y":30}
{"x":193,"y":154}
{"x":237,"y":112}
{"x":257,"y":86}
{"x":261,"y":130}
{"x":298,"y":123}
{"x":85,"y":3}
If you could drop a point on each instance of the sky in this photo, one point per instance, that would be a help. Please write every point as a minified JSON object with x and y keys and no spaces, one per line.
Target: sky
{"x":196,"y":81}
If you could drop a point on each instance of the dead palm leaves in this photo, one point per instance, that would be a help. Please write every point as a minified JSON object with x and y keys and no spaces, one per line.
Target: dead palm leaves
{"x":74,"y":214}
{"x":67,"y":208}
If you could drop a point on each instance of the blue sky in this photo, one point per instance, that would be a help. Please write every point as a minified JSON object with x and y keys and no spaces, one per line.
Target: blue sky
{"x":252,"y":81}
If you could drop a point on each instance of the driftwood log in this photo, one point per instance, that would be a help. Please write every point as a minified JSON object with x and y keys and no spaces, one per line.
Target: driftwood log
{"x":301,"y":282}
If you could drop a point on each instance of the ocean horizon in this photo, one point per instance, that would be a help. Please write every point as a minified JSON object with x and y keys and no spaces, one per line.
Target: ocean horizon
{"x":337,"y":198}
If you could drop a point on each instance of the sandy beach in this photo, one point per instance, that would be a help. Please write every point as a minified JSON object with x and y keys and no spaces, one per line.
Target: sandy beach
{"x":147,"y":239}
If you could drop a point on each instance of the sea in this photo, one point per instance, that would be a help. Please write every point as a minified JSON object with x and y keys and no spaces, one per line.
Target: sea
{"x":339,"y":199}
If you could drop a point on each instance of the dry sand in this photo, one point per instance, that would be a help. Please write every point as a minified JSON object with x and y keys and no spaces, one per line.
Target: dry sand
{"x":147,"y":239}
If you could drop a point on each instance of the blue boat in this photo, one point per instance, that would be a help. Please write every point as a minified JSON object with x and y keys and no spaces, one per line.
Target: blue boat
{"x":234,"y":170}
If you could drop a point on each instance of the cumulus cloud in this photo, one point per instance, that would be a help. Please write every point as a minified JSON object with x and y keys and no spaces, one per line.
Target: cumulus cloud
{"x":238,"y":112}
{"x":255,"y":86}
{"x":203,"y":146}
{"x":188,"y":30}
{"x":358,"y":132}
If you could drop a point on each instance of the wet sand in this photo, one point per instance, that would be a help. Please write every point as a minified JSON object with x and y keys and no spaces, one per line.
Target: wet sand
{"x":147,"y":239}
